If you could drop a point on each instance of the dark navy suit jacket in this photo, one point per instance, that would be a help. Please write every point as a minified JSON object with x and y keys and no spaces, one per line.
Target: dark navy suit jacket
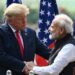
{"x":10,"y":56}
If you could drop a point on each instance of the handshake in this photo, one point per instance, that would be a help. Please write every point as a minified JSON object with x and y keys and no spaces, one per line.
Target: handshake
{"x":28,"y":67}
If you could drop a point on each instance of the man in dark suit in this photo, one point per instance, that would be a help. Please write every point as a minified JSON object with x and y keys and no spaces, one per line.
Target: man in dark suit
{"x":18,"y":44}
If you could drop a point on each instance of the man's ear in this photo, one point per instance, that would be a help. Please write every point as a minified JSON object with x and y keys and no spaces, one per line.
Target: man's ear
{"x":62,"y":31}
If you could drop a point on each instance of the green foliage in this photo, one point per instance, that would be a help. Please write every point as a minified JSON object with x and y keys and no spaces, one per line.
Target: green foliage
{"x":33,"y":16}
{"x":31,"y":3}
{"x":68,"y":7}
{"x":34,"y":7}
{"x":1,"y":12}
{"x":2,"y":7}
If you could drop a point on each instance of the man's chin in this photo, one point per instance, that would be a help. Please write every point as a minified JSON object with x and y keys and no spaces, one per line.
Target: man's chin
{"x":51,"y":37}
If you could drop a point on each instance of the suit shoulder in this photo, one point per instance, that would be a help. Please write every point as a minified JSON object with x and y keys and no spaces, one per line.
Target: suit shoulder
{"x":30,"y":30}
{"x":3,"y":26}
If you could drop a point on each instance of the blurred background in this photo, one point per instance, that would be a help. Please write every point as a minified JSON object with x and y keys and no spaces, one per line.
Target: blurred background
{"x":64,"y":6}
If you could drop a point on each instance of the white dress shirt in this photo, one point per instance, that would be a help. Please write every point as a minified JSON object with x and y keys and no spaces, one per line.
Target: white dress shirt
{"x":64,"y":57}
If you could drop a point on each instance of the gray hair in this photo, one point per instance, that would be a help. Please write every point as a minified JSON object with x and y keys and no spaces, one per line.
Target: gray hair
{"x":65,"y":21}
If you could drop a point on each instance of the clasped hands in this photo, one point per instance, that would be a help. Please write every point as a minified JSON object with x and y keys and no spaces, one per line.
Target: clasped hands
{"x":28,"y":67}
{"x":31,"y":67}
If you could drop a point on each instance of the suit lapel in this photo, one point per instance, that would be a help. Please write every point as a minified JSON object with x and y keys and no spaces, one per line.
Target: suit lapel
{"x":11,"y":34}
{"x":12,"y":39}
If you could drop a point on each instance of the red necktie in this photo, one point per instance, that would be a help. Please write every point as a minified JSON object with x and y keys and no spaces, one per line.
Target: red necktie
{"x":19,"y":42}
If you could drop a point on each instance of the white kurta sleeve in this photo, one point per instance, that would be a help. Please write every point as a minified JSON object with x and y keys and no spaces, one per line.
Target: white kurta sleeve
{"x":64,"y":57}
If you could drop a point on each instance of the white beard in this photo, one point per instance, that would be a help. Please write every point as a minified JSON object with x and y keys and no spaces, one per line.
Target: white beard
{"x":53,"y":36}
{"x":50,"y":36}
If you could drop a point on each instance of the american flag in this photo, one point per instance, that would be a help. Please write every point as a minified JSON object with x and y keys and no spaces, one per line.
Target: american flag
{"x":12,"y":1}
{"x":48,"y":9}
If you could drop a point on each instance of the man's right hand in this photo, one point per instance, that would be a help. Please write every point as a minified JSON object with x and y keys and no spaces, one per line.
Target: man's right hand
{"x":28,"y":67}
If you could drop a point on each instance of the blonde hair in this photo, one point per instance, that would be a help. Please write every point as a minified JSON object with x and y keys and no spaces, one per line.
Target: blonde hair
{"x":65,"y":21}
{"x":16,"y":9}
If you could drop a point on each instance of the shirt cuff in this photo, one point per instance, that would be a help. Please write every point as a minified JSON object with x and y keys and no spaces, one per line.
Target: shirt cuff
{"x":40,"y":70}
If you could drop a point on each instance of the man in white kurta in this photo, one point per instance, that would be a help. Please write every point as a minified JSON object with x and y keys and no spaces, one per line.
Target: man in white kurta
{"x":61,"y":29}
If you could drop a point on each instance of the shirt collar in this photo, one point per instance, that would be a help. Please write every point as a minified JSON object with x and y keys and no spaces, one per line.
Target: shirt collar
{"x":12,"y":28}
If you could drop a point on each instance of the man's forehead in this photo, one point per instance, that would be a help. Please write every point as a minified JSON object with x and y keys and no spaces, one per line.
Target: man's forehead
{"x":55,"y":23}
